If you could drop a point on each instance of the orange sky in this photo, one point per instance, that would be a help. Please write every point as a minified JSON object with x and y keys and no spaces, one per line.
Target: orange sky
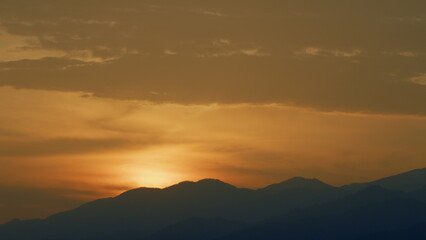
{"x":97,"y":98}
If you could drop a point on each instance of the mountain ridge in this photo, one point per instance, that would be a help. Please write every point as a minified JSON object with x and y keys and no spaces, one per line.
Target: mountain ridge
{"x":143,"y":212}
{"x":297,"y":182}
{"x":406,"y":181}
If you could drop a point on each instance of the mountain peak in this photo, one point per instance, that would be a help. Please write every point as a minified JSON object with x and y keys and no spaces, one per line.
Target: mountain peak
{"x":211,"y":181}
{"x":297,"y":183}
{"x":302,"y":180}
{"x":207,"y":184}
{"x":137,"y":192}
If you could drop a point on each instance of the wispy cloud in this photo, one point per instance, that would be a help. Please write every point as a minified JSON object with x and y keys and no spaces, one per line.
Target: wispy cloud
{"x":316,"y":51}
{"x":420,"y":79}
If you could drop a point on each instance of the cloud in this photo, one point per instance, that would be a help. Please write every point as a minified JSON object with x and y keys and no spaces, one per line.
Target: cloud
{"x":216,"y":14}
{"x":221,"y":42}
{"x":63,"y":147}
{"x":43,"y":123}
{"x":351,"y":75}
{"x":420,"y":79}
{"x":316,"y":51}
{"x":254,"y":52}
{"x":407,"y":54}
{"x":44,"y":63}
{"x":15,"y":47}
{"x":327,"y":85}
{"x":169,"y":52}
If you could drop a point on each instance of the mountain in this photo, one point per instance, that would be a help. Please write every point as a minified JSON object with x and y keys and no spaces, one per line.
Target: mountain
{"x":408,"y":181}
{"x":291,"y":194}
{"x":138,"y":212}
{"x":297,"y":183}
{"x":199,"y":228}
{"x":420,"y":194}
{"x":142,"y":212}
{"x":212,"y":209}
{"x":372,"y":213}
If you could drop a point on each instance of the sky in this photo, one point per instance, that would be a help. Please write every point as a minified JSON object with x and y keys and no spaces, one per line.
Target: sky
{"x":101,"y":96}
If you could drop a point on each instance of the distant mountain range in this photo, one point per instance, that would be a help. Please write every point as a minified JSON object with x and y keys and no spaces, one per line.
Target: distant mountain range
{"x":299,"y":208}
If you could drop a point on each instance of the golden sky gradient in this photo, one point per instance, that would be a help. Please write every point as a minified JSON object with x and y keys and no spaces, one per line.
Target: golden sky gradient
{"x":97,"y":97}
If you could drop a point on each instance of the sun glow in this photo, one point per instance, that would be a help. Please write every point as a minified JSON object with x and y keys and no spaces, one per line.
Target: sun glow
{"x":158,"y":178}
{"x":152,"y":168}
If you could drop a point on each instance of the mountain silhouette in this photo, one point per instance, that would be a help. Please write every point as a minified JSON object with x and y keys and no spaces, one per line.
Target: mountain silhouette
{"x":420,"y":194}
{"x":371,"y":213}
{"x":408,"y":181}
{"x":297,"y":208}
{"x":199,"y":228}
{"x":297,"y":183}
